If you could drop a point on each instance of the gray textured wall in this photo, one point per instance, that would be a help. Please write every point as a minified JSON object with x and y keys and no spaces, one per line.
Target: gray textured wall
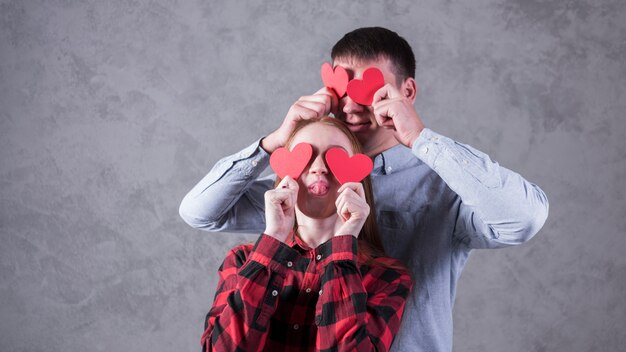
{"x":110,"y":111}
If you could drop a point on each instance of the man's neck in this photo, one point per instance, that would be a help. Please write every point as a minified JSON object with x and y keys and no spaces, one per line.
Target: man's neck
{"x":373,"y":149}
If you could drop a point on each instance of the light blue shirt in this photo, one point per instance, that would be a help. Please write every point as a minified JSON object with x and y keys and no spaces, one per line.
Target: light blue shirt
{"x":435,"y":203}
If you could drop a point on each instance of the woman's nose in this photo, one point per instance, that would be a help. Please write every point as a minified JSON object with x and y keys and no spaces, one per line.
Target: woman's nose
{"x":318,"y":166}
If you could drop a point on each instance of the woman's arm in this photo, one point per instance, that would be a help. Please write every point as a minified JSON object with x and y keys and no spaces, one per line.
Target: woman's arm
{"x":247,"y":294}
{"x":358,"y":311}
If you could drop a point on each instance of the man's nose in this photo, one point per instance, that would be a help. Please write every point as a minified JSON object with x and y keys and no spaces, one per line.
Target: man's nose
{"x":351,"y":107}
{"x":318,"y":166}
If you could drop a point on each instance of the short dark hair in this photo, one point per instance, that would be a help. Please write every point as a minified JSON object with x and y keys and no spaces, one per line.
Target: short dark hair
{"x":372,"y":43}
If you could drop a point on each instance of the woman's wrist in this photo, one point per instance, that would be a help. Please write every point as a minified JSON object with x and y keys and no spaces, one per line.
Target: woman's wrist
{"x":349,"y":229}
{"x":277,"y":234}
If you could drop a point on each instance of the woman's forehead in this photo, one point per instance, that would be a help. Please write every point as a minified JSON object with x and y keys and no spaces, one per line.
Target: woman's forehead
{"x":321,"y":135}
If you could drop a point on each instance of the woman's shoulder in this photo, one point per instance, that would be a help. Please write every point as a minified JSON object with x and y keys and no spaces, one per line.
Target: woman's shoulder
{"x":238,"y":255}
{"x":385,"y":274}
{"x":385,"y":268}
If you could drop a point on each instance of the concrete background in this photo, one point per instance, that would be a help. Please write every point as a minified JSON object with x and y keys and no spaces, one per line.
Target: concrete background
{"x":110,"y":111}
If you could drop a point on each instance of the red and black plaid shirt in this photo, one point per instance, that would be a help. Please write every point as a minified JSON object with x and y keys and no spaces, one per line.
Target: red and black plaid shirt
{"x":290,"y":297}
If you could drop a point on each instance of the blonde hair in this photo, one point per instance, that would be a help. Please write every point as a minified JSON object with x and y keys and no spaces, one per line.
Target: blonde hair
{"x":369,"y":245}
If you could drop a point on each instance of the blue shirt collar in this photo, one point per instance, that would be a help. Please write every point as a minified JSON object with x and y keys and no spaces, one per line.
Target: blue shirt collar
{"x":396,"y":158}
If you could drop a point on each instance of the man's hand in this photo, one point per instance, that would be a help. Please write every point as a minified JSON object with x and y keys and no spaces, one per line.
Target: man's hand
{"x":352,"y":209}
{"x":280,"y":209}
{"x":394,"y":111}
{"x":314,"y":106}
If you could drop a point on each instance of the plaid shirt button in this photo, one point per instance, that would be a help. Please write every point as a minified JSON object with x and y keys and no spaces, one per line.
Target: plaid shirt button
{"x":289,"y":264}
{"x":346,"y":301}
{"x":319,"y":257}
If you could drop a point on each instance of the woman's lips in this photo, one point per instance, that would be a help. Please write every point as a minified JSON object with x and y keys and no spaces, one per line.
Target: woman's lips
{"x":319,"y":188}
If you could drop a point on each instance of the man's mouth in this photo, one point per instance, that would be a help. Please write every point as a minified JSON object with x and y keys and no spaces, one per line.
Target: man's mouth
{"x":359,"y":126}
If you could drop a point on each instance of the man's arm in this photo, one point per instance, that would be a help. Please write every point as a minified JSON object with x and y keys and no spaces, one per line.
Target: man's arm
{"x":498,"y":206}
{"x":230,"y":196}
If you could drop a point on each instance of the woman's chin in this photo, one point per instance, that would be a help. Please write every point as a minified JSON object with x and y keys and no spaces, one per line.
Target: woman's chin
{"x":317,"y":211}
{"x":320,"y":195}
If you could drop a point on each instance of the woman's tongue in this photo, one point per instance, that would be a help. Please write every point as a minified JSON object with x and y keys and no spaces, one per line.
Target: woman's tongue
{"x":318,"y":188}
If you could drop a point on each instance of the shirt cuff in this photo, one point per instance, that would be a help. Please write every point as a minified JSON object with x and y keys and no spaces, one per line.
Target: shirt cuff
{"x":427,"y":146}
{"x":338,"y":248}
{"x":253,"y":160}
{"x":273,"y":253}
{"x":454,"y":161}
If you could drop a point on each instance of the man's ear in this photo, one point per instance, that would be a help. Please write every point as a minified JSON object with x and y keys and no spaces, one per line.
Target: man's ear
{"x":409,"y":89}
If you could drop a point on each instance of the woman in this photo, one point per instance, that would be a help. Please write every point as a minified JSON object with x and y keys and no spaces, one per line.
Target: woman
{"x":317,"y":278}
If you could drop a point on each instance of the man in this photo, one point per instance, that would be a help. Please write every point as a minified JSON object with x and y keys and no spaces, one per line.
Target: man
{"x":436,"y":199}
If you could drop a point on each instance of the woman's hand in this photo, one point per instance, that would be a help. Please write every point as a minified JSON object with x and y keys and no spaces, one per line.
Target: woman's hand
{"x":280,"y":206}
{"x":351,"y":208}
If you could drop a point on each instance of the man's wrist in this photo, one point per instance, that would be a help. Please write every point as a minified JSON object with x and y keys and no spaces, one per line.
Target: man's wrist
{"x":414,"y":136}
{"x":269,"y":143}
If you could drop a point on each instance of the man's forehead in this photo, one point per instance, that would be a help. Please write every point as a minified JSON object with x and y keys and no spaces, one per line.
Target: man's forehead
{"x":355,"y":61}
{"x":355,"y":66}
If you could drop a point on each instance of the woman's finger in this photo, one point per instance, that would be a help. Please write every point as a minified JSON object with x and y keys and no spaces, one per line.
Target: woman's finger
{"x":352,"y":203}
{"x":287,"y":183}
{"x":279,"y":196}
{"x":357,"y":187}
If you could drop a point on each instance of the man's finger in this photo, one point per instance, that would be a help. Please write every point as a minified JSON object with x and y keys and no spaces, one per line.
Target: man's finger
{"x":321,"y":95}
{"x":383,"y":115}
{"x":322,"y":90}
{"x":318,"y":107}
{"x":334,"y":100}
{"x":385,"y":92}
{"x":303,"y":112}
{"x":314,"y":106}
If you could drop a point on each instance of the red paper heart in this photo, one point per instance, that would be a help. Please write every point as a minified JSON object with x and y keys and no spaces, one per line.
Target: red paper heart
{"x":292,"y":163}
{"x":362,"y":90}
{"x":336,"y":79}
{"x":348,"y":169}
